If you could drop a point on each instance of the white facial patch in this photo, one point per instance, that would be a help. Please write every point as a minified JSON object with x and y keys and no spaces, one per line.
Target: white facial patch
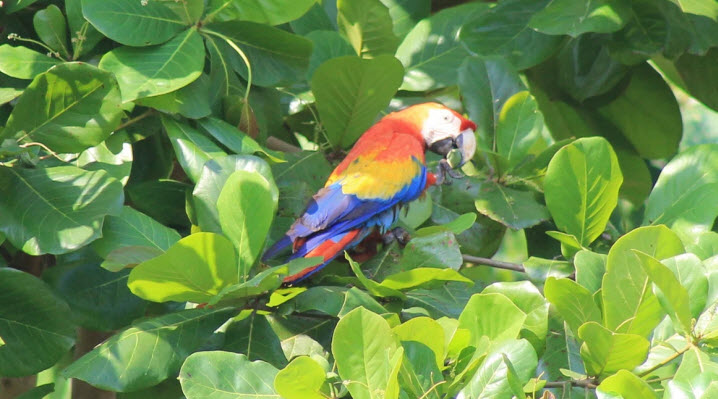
{"x":440,"y":124}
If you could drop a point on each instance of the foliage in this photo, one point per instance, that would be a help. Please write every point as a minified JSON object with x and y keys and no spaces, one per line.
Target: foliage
{"x":150,"y":150}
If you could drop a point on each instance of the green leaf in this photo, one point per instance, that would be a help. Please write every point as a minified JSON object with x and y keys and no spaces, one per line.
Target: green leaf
{"x":254,"y":337}
{"x":672,"y":295}
{"x":231,"y":137}
{"x":493,"y":316}
{"x":513,"y":208}
{"x":151,"y":71}
{"x":418,"y":277}
{"x":426,"y":331}
{"x":48,"y":210}
{"x":264,"y":281}
{"x":225,"y":375}
{"x":503,"y":32}
{"x":431,"y":51}
{"x":691,"y":275}
{"x":51,"y":27}
{"x":193,"y":148}
{"x":368,"y":26}
{"x":191,"y":101}
{"x":277,"y":57}
{"x":22,"y":63}
{"x":406,"y":13}
{"x":363,"y":347}
{"x":485,"y":87}
{"x":518,"y":129}
{"x":99,"y":299}
{"x":492,"y":381}
{"x":148,"y":352}
{"x":39,"y":392}
{"x":162,"y":200}
{"x":440,"y":250}
{"x":214,"y":177}
{"x":372,"y":286}
{"x":246,"y":209}
{"x":448,"y":300}
{"x":540,"y":269}
{"x":326,"y":45}
{"x":655,"y":129}
{"x":83,"y":36}
{"x":574,"y":302}
{"x":270,"y":12}
{"x":629,"y":305}
{"x":194,"y":269}
{"x":581,"y":187}
{"x":627,"y":385}
{"x":419,"y":374}
{"x":605,"y":352}
{"x":34,"y":325}
{"x":12,"y":6}
{"x":113,"y":155}
{"x":132,"y":228}
{"x":69,"y":108}
{"x":691,"y":178}
{"x":351,"y":91}
{"x":303,"y":378}
{"x":457,"y":226}
{"x":567,"y":17}
{"x":590,"y":268}
{"x":135,"y":23}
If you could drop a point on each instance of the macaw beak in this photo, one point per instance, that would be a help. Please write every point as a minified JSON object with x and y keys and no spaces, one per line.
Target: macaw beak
{"x":458,"y":150}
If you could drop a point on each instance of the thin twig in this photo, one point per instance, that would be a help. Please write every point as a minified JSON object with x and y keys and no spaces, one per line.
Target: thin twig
{"x":494,"y":263}
{"x":239,"y":51}
{"x":587,"y":383}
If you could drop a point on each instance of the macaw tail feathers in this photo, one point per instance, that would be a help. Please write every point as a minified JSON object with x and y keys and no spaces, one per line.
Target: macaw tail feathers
{"x":275,"y":249}
{"x":329,"y":250}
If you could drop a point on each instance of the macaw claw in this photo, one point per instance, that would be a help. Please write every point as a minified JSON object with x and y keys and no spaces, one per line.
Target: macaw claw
{"x":444,"y":169}
{"x":398,"y":234}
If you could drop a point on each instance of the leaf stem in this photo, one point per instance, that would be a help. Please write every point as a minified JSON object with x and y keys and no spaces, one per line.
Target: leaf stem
{"x":51,"y":52}
{"x":44,"y":147}
{"x":494,"y":263}
{"x":587,"y":383}
{"x":666,"y":361}
{"x":241,"y":54}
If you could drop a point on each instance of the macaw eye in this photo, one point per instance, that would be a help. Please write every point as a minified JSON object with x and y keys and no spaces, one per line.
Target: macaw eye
{"x":448,"y":117}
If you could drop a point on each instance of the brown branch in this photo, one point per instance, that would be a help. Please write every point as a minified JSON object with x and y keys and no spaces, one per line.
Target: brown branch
{"x":587,"y":383}
{"x":276,"y":144}
{"x":136,"y":119}
{"x":494,"y":263}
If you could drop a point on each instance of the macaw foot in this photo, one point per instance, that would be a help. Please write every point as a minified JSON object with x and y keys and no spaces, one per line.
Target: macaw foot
{"x":398,"y":234}
{"x":443,"y":170}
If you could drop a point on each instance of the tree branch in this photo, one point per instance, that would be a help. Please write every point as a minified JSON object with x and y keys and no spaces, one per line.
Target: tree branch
{"x":135,"y":119}
{"x":666,"y":361}
{"x":494,"y":263}
{"x":587,"y":383}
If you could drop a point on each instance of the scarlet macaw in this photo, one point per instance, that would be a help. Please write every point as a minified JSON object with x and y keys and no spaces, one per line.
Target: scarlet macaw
{"x":383,"y":171}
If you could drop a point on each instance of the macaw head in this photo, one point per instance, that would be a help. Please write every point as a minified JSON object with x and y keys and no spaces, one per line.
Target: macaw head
{"x":443,"y":129}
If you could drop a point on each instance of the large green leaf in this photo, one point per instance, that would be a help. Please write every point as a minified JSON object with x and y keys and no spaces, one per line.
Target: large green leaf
{"x":656,"y":127}
{"x":504,"y":32}
{"x":191,"y":101}
{"x":55,"y":210}
{"x":690,"y":178}
{"x":254,"y":337}
{"x":303,"y":378}
{"x":492,"y":378}
{"x":351,"y":91}
{"x":440,"y":250}
{"x":15,"y":5}
{"x":605,"y":352}
{"x":213,"y":178}
{"x":99,"y":299}
{"x":368,"y":26}
{"x":35,"y":325}
{"x":277,"y":57}
{"x":510,"y":207}
{"x":492,"y":316}
{"x":193,"y":148}
{"x":114,"y":156}
{"x":130,"y":234}
{"x":426,"y":331}
{"x":577,"y":17}
{"x":327,"y":44}
{"x":69,"y":108}
{"x":629,"y":305}
{"x":136,"y":23}
{"x":691,"y":274}
{"x":151,"y":71}
{"x":22,"y":63}
{"x":406,"y":13}
{"x":364,"y":348}
{"x":83,"y":36}
{"x":519,"y":127}
{"x":626,"y":385}
{"x":246,"y":209}
{"x":574,"y":302}
{"x":672,"y":295}
{"x":271,"y":12}
{"x":431,"y":52}
{"x":225,"y":375}
{"x":581,"y":187}
{"x":195,"y":269}
{"x":148,"y":352}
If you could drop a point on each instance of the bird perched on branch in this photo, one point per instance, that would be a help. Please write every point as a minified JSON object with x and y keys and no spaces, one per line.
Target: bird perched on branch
{"x":385,"y":170}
